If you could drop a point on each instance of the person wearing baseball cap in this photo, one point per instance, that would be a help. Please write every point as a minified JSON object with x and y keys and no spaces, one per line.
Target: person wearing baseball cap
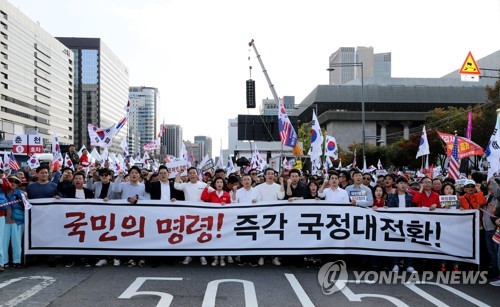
{"x":473,"y":197}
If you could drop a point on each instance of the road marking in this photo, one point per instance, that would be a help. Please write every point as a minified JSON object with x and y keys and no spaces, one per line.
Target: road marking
{"x":432,"y":299}
{"x":212,"y":287}
{"x":47,"y":280}
{"x":447,"y":288}
{"x":299,"y":291}
{"x":132,"y":290}
{"x":351,"y":296}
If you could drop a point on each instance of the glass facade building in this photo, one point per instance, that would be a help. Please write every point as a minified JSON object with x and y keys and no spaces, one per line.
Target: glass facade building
{"x":101,"y":88}
{"x":172,"y":141}
{"x":143,"y":119}
{"x":36,"y":79}
{"x":206,"y":145}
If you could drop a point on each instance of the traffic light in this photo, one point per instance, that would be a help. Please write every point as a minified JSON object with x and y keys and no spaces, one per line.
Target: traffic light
{"x":250,"y":93}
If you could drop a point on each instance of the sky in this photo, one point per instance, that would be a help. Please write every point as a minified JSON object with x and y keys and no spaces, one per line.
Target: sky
{"x":196,"y":51}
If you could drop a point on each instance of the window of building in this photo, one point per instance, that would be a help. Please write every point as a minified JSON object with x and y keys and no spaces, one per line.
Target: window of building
{"x":4,"y":15}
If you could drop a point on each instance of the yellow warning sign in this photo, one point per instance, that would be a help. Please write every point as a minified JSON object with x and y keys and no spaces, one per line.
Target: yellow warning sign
{"x":470,"y":66}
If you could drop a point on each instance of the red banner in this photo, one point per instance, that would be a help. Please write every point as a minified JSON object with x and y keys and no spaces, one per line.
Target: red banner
{"x":466,"y":148}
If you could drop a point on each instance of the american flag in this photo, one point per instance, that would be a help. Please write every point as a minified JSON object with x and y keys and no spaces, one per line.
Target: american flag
{"x":13,"y":163}
{"x":354,"y":163}
{"x":287,"y":133}
{"x":453,"y":166}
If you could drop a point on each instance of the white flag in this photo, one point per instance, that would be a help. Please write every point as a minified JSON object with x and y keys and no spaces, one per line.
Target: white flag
{"x":105,"y":155}
{"x":145,"y":160}
{"x":230,"y":166}
{"x":316,"y":138}
{"x":56,"y":149}
{"x":95,"y":154}
{"x":379,"y":164}
{"x":331,"y":149}
{"x":286,"y":164}
{"x":80,"y":152}
{"x":493,"y":149}
{"x":33,"y":162}
{"x":423,"y":148}
{"x":124,"y":146}
{"x":68,"y":162}
{"x":183,"y":153}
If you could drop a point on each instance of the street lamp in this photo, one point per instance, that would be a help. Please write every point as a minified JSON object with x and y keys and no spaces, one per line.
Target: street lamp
{"x":357,"y":64}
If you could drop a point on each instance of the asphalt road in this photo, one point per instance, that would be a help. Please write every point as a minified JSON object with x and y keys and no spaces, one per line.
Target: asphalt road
{"x":195,"y":285}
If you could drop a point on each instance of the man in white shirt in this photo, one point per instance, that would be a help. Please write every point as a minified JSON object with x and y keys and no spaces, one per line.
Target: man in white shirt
{"x":192,"y":192}
{"x":193,"y":188}
{"x":331,"y":191}
{"x":247,"y":194}
{"x":270,"y":191}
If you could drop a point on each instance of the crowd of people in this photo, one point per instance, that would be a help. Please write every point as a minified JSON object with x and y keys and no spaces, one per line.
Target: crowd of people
{"x":352,"y":186}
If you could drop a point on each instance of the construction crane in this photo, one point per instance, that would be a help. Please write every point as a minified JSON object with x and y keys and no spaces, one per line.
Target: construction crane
{"x":271,"y":85}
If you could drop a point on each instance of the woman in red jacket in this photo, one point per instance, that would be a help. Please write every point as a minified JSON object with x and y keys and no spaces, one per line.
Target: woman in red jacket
{"x":217,"y":194}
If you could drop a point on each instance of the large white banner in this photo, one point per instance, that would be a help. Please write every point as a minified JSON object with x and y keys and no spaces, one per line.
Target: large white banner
{"x":94,"y":227}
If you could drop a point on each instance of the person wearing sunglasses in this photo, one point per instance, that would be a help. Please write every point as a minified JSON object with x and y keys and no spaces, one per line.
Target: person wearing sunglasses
{"x":473,"y":197}
{"x":102,"y":187}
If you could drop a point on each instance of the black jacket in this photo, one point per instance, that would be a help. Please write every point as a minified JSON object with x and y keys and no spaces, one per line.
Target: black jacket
{"x":154,"y":189}
{"x":68,"y":190}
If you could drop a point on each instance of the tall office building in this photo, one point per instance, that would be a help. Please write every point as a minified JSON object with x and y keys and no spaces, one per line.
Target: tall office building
{"x":172,"y":140}
{"x":206,"y":143}
{"x":143,"y":119}
{"x":375,"y":65}
{"x":196,"y":150}
{"x":36,"y":79}
{"x":101,"y":88}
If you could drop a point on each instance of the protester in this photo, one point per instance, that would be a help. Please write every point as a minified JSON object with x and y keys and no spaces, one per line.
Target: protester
{"x":163,"y":189}
{"x":73,"y":155}
{"x":473,"y":197}
{"x":313,"y":191}
{"x":102,"y":190}
{"x":294,"y":188}
{"x":271,"y":191}
{"x":389,"y":181}
{"x":379,"y":197}
{"x":215,"y":193}
{"x":490,"y":228}
{"x":332,"y":192}
{"x":401,"y":199}
{"x":367,"y":180}
{"x":359,"y":194}
{"x":9,"y":230}
{"x":344,"y":178}
{"x":77,"y":190}
{"x":84,"y":159}
{"x":426,"y":197}
{"x":192,"y":192}
{"x":437,"y":185}
{"x":132,"y":191}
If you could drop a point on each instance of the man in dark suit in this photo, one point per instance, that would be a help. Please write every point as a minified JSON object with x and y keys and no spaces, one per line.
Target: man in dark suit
{"x":76,"y":190}
{"x":163,"y":189}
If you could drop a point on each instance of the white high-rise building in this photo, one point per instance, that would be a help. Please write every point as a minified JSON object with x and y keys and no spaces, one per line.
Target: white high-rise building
{"x":36,"y":79}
